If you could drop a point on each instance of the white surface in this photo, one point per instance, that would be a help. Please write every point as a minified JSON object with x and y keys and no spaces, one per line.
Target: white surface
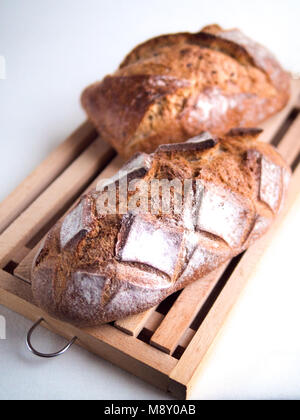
{"x":53,"y":49}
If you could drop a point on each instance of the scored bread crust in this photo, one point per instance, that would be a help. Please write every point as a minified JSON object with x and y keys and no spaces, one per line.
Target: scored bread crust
{"x":175,"y":86}
{"x":94,"y":268}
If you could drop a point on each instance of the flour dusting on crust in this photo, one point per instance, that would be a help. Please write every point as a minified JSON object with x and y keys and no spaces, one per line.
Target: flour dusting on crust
{"x":206,"y":257}
{"x":137,"y":167}
{"x":145,"y":240}
{"x":223,"y":215}
{"x":78,"y":220}
{"x":271,"y":183}
{"x":83,"y":293}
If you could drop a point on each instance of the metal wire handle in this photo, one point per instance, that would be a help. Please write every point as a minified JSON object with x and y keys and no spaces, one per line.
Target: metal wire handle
{"x":44,"y":355}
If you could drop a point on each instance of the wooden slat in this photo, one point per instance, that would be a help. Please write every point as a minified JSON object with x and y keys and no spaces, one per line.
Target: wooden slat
{"x":66,"y":187}
{"x":272,"y":125}
{"x":45,"y":173}
{"x":23,"y":271}
{"x":121,"y":349}
{"x":184,"y":311}
{"x":134,"y":324}
{"x":154,"y":321}
{"x":21,"y":254}
{"x":188,"y":367}
{"x":186,"y":338}
{"x":14,"y":289}
{"x":110,"y":169}
{"x":289,"y":147}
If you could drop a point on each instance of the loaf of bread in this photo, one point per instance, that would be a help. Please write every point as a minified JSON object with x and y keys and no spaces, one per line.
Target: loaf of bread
{"x":175,"y":86}
{"x":101,"y":263}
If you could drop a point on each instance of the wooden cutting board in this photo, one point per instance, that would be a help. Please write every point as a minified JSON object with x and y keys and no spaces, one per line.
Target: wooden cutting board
{"x":166,"y":345}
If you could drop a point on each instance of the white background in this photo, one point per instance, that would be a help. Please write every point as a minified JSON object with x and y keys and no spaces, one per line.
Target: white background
{"x":53,"y":49}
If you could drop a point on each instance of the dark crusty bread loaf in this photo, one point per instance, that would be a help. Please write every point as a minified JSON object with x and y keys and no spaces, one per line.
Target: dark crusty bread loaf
{"x":175,"y":86}
{"x":95,"y":267}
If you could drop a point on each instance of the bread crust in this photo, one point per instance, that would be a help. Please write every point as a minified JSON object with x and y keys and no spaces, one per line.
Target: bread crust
{"x":175,"y":86}
{"x":94,"y":267}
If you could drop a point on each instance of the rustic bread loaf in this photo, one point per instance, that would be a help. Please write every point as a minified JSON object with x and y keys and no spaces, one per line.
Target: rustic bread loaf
{"x":96,"y":266}
{"x":175,"y":86}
